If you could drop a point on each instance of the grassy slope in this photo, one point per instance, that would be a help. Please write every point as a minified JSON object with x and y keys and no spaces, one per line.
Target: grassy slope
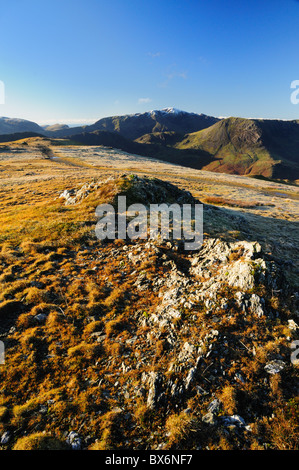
{"x":51,"y":264}
{"x":246,"y":146}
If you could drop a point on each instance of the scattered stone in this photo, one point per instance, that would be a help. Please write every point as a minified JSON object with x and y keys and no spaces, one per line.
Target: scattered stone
{"x":155,"y":390}
{"x":43,"y":409}
{"x":201,"y":391}
{"x":74,"y":440}
{"x":234,"y":420}
{"x":177,"y":391}
{"x":5,"y":438}
{"x":40,"y":318}
{"x":292,"y":325}
{"x":210,"y":418}
{"x":214,"y":406}
{"x":190,"y":377}
{"x":238,"y":377}
{"x":257,"y":305}
{"x":187,"y":353}
{"x":274,"y":367}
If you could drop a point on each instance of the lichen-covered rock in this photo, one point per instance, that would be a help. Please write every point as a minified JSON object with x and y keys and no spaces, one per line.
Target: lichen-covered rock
{"x":239,"y":265}
{"x":274,"y":367}
{"x":142,"y":190}
{"x":74,"y":440}
{"x":155,"y":381}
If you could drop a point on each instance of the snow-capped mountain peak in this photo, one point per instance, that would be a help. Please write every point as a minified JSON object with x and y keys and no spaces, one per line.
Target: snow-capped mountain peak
{"x":171,"y":111}
{"x":165,"y":111}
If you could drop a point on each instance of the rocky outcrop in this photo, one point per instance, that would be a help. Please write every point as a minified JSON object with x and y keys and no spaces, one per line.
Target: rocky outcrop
{"x":142,"y":190}
{"x":153,"y":331}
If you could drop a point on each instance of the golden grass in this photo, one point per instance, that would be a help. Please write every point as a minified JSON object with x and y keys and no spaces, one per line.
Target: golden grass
{"x":39,"y":441}
{"x":179,"y":427}
{"x":50,"y":265}
{"x":228,"y":398}
{"x":221,"y":201}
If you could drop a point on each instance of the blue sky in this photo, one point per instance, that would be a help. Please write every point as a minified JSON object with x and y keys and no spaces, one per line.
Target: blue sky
{"x":76,"y":61}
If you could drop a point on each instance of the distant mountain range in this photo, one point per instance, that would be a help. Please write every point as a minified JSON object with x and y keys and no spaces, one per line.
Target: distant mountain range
{"x":56,"y":127}
{"x":13,"y":126}
{"x":254,"y":147}
{"x":133,"y":126}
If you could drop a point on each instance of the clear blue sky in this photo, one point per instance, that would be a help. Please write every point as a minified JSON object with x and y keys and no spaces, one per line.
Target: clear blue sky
{"x":77,"y":61}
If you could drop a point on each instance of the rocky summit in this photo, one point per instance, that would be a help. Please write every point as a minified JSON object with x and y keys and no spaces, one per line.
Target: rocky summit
{"x":140,"y":344}
{"x":140,"y":190}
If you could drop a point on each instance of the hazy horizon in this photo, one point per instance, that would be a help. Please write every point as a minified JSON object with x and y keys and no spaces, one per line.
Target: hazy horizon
{"x":79,"y":123}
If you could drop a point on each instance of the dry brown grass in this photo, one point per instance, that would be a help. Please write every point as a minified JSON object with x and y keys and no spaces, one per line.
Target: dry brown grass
{"x":39,"y":441}
{"x":179,"y":427}
{"x":228,"y":398}
{"x":60,"y":364}
{"x":221,"y":201}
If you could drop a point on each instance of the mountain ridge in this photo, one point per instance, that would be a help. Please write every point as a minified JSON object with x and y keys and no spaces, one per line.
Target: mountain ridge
{"x":254,"y":147}
{"x":15,"y":125}
{"x":133,"y":126}
{"x":249,"y":146}
{"x":244,"y":146}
